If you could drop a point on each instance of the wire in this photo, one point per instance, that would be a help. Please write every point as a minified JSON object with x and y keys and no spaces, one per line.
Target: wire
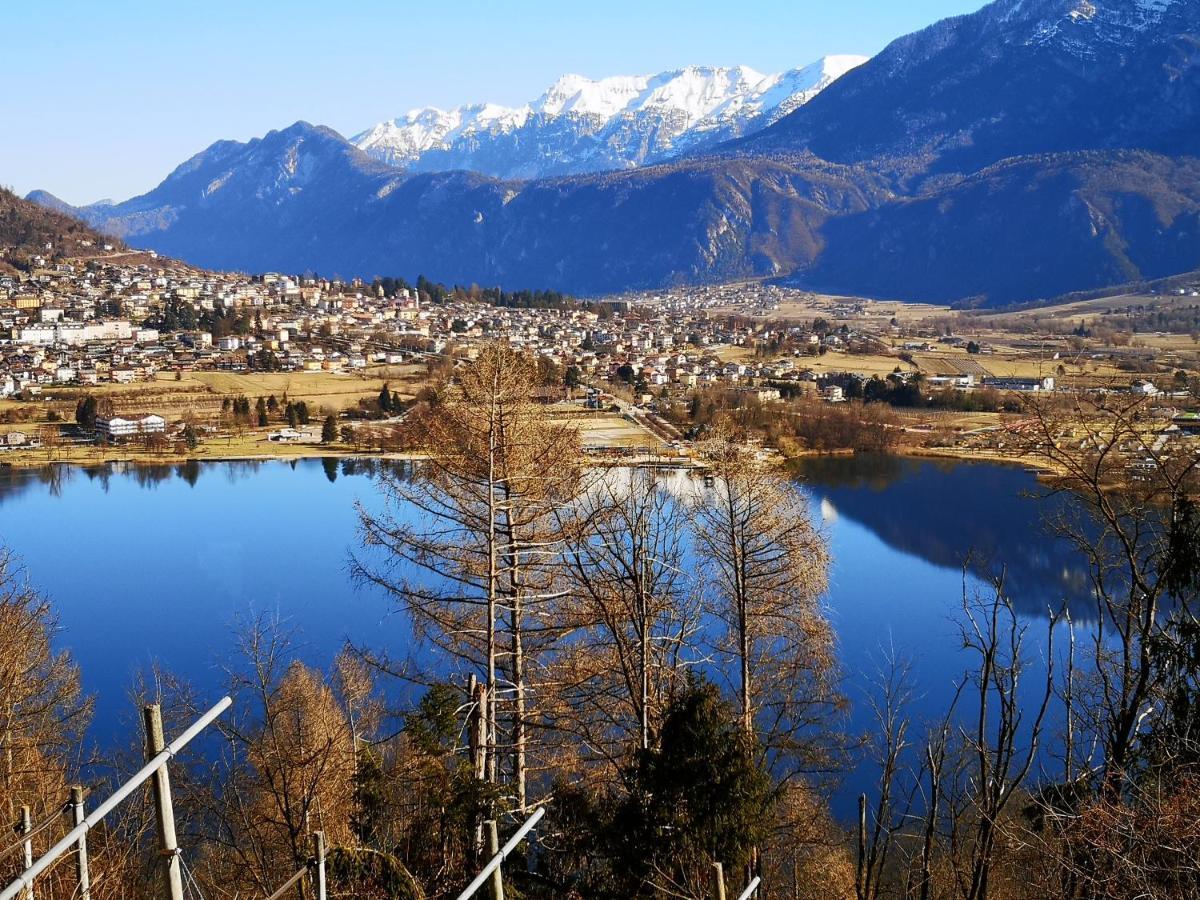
{"x":42,"y":826}
{"x":191,"y":878}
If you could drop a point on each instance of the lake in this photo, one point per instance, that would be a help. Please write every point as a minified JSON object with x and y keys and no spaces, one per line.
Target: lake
{"x":148,"y":564}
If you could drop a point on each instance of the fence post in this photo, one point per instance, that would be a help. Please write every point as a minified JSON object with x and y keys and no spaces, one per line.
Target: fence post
{"x":493,"y":834}
{"x":860,"y":879}
{"x":27,"y":845}
{"x":718,"y":881}
{"x":318,"y":840}
{"x":167,"y":844}
{"x":81,"y":853}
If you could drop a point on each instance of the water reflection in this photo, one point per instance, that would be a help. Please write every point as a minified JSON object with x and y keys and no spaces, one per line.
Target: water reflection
{"x":156,"y":563}
{"x":990,"y":517}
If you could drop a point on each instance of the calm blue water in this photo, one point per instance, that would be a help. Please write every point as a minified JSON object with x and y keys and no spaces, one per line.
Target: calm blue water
{"x":160,"y":564}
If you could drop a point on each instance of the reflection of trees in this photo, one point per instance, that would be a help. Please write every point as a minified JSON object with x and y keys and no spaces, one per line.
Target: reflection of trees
{"x":53,"y":477}
{"x":949,"y":512}
{"x":14,"y":481}
{"x":148,"y":476}
{"x":189,"y":471}
{"x":876,"y":471}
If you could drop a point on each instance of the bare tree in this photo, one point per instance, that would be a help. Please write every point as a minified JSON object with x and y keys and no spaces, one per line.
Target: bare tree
{"x":1132,"y":525}
{"x":287,"y":769}
{"x":636,"y":608}
{"x":43,"y":712}
{"x":1005,"y":738}
{"x":476,"y":522}
{"x":880,"y":825}
{"x":767,"y":568}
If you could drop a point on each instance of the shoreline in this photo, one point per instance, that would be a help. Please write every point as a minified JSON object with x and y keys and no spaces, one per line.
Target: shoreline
{"x":32,"y":460}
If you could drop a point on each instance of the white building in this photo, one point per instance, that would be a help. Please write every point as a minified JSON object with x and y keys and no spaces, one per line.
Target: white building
{"x":119,"y":427}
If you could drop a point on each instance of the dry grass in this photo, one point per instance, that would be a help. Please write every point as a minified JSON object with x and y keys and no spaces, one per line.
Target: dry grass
{"x":201,"y":393}
{"x":604,"y":429}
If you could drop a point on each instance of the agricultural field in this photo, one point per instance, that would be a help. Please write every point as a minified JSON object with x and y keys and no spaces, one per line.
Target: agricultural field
{"x":201,"y":393}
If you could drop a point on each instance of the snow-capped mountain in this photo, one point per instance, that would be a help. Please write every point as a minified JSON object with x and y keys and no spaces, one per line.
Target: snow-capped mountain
{"x":1017,"y":77}
{"x":583,"y":125}
{"x":1030,"y":148}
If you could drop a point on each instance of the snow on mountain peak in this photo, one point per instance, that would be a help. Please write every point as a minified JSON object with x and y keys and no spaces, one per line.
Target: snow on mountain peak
{"x":582,"y":124}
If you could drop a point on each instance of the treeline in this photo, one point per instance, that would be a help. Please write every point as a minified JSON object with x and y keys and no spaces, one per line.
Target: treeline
{"x":913,"y":393}
{"x":795,"y":424}
{"x":438,"y":293}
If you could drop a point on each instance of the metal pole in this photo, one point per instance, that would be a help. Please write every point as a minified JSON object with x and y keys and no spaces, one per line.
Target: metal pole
{"x":318,"y":840}
{"x":494,"y":848}
{"x":750,"y":888}
{"x":81,"y":853}
{"x":27,"y":845}
{"x":718,"y":881}
{"x":499,"y":857}
{"x":142,"y":776}
{"x":168,"y":846}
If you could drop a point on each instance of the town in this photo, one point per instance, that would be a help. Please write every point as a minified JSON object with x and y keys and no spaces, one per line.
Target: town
{"x":170,"y":349}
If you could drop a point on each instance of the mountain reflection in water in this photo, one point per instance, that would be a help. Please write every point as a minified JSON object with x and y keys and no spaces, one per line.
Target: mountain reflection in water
{"x":991,"y":517}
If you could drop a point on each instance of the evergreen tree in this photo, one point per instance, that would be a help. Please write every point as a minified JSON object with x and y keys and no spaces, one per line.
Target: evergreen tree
{"x":329,"y":430}
{"x":85,"y":412}
{"x":702,"y":795}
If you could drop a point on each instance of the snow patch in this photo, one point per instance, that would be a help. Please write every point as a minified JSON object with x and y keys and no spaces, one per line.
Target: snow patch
{"x":621,"y":117}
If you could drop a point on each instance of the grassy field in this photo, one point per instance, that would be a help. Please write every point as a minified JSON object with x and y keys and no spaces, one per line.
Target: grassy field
{"x":868,"y":364}
{"x":604,"y":429}
{"x":822,"y":305}
{"x":201,"y":393}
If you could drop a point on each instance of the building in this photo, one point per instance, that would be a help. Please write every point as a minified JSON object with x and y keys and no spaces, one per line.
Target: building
{"x":1020,"y":384}
{"x":1188,"y":423}
{"x":116,"y":428}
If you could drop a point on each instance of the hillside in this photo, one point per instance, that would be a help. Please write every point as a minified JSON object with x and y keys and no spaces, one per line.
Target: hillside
{"x":1065,"y":222}
{"x":1016,"y":78}
{"x":29,"y":229}
{"x":1031,"y":148}
{"x":303,"y":198}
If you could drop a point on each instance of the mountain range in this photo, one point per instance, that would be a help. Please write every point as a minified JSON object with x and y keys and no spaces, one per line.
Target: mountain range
{"x":1028,"y":149}
{"x":579,"y":125}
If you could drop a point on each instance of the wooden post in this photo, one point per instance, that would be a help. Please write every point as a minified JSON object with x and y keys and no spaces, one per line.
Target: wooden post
{"x":718,"y":881}
{"x":81,"y":853}
{"x":27,"y":845}
{"x":860,"y":879}
{"x":168,"y":846}
{"x":493,"y":848}
{"x":477,"y":741}
{"x":318,"y":840}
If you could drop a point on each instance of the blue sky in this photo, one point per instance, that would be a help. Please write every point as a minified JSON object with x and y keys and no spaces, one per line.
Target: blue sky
{"x":104,"y":97}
